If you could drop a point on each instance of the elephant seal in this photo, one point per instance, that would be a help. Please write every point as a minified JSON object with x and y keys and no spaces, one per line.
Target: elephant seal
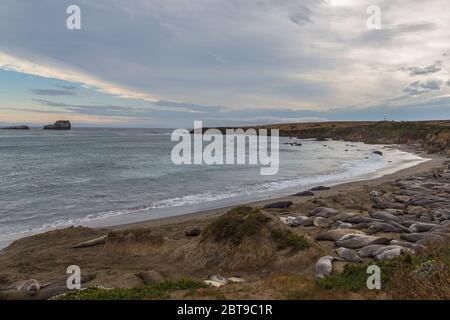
{"x":415,"y":237}
{"x":324,"y":212}
{"x":374,"y":227}
{"x":348,"y":255}
{"x":362,"y":219}
{"x":217,"y":278}
{"x":341,"y":225}
{"x":322,"y":222}
{"x":389,"y":254}
{"x":294,"y":221}
{"x":422,"y":227}
{"x":368,"y":251}
{"x":324,"y":266}
{"x":279,"y":205}
{"x":405,"y":244}
{"x":383,"y":215}
{"x":345,"y":216}
{"x":354,"y":241}
{"x":30,"y":287}
{"x":336,"y":234}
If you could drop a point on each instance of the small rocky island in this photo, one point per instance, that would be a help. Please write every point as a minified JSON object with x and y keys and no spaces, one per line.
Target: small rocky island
{"x":16,"y":128}
{"x":59,"y":125}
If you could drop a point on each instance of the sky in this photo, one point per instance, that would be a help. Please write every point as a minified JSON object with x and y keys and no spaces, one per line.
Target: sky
{"x":166,"y":63}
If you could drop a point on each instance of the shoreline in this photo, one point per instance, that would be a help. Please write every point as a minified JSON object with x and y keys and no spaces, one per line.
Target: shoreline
{"x":434,"y":161}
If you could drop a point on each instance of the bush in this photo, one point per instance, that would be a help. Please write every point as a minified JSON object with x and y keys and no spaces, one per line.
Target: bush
{"x":236,"y":224}
{"x":287,"y":239}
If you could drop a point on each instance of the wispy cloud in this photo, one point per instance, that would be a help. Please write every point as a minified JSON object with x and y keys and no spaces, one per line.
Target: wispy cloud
{"x":43,"y":68}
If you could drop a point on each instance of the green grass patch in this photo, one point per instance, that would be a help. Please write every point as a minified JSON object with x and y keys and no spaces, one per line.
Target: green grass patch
{"x":353,"y":278}
{"x":156,"y":291}
{"x":287,"y":239}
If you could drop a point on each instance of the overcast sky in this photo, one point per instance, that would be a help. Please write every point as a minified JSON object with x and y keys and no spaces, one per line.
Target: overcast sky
{"x":166,"y":63}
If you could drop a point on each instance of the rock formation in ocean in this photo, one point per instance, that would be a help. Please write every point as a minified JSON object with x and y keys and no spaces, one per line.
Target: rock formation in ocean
{"x":16,"y":128}
{"x":59,"y":125}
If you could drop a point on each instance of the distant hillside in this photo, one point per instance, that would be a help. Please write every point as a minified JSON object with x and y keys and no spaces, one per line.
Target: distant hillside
{"x":433,"y":135}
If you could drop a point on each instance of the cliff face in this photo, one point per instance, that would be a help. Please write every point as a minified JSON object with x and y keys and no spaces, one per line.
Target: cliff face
{"x":438,"y":142}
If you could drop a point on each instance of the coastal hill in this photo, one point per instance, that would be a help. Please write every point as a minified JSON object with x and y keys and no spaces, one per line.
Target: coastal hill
{"x":433,"y":136}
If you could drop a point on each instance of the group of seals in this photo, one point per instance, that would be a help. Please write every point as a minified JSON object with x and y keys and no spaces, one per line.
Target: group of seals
{"x":416,"y":211}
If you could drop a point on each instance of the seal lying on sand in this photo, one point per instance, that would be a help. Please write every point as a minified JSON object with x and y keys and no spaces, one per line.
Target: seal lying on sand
{"x":336,"y":234}
{"x":383,"y":215}
{"x":389,"y":254}
{"x":324,"y":266}
{"x":322,"y":222}
{"x":415,"y":237}
{"x":348,"y":255}
{"x":354,"y":241}
{"x":422,"y":227}
{"x":370,"y":250}
{"x":29,"y":287}
{"x":324,"y":212}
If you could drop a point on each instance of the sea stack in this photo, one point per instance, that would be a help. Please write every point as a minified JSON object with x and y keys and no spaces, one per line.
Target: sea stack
{"x":59,"y":125}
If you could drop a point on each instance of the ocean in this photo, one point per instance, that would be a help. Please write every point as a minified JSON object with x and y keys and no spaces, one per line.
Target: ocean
{"x":102,"y":177}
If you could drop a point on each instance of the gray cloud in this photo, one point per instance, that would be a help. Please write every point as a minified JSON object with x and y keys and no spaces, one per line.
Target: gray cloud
{"x":62,"y":90}
{"x":420,"y":87}
{"x":433,"y":68}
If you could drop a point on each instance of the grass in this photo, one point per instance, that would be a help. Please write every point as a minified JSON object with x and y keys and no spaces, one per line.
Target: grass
{"x":353,"y":278}
{"x":287,"y":239}
{"x":236,"y":224}
{"x":156,"y":291}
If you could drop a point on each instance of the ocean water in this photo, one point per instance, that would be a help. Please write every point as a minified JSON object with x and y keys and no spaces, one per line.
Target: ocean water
{"x":51,"y":179}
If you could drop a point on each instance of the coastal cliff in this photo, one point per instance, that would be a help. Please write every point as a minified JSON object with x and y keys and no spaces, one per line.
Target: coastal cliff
{"x":433,"y":136}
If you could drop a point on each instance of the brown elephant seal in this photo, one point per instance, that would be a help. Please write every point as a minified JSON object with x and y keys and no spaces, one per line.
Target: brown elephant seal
{"x":341,"y":225}
{"x":322,"y":222}
{"x":324,"y":266}
{"x":30,"y":287}
{"x":374,"y":227}
{"x":354,"y":241}
{"x":384,"y":215}
{"x":345,"y":216}
{"x":389,"y":254}
{"x":324,"y":212}
{"x":369,"y":251}
{"x":415,"y":237}
{"x":348,"y":255}
{"x":422,"y":227}
{"x":336,"y":234}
